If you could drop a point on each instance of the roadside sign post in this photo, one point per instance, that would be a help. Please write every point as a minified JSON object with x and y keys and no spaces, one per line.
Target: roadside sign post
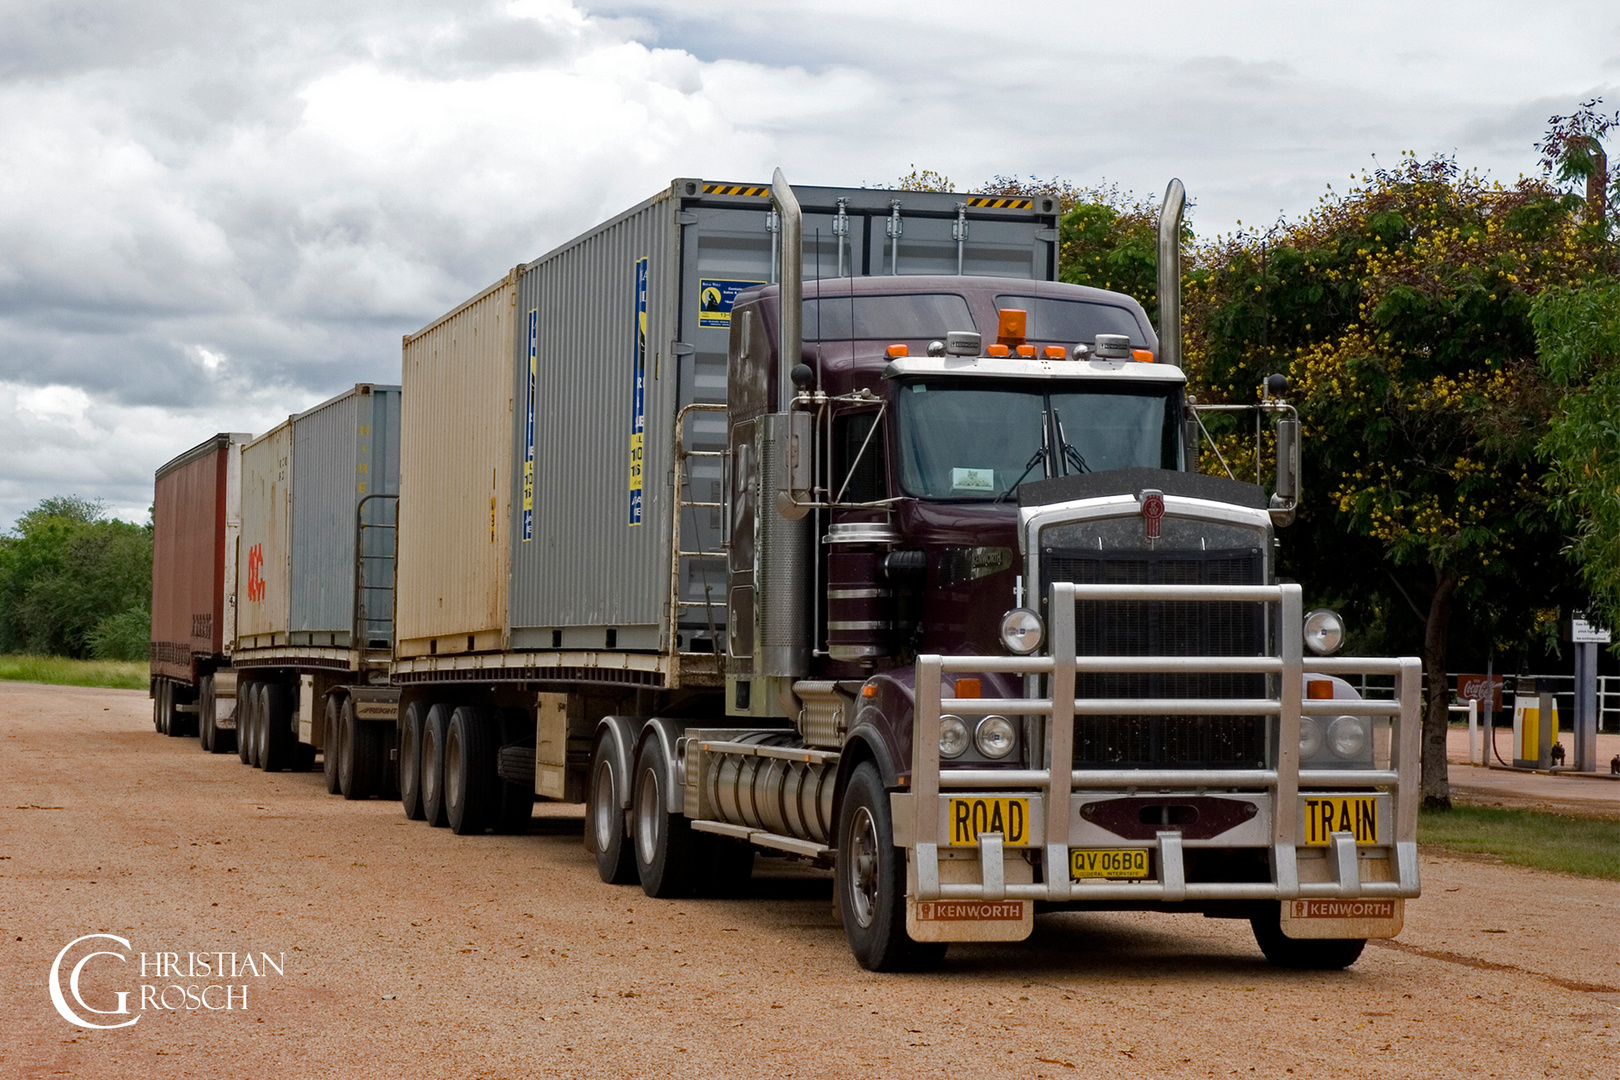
{"x":1483,"y":694}
{"x":1586,"y":637}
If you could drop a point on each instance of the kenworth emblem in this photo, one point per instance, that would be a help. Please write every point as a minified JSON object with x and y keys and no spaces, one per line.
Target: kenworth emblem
{"x":1152,"y":511}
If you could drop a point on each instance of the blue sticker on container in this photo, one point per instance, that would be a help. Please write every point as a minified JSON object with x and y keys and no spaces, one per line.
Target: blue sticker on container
{"x":638,"y":393}
{"x":716,"y":297}
{"x":528,"y":429}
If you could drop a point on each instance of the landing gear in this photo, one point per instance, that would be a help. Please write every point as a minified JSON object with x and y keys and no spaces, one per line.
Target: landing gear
{"x":872,"y":881}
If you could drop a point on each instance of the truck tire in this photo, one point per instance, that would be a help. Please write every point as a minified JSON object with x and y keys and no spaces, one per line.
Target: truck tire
{"x":174,"y":723}
{"x":357,"y":754}
{"x":666,"y":851}
{"x":410,"y":760}
{"x":615,"y":856}
{"x":261,"y":730}
{"x":157,"y":706}
{"x":331,"y":733}
{"x":469,"y":770}
{"x":1301,"y":954}
{"x":244,"y":721}
{"x":872,"y":881}
{"x":280,"y":743}
{"x":434,"y":731}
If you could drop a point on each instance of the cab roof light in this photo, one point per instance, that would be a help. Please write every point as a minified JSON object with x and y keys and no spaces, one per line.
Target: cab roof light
{"x":899,"y":350}
{"x":996,"y":350}
{"x":1056,"y":352}
{"x":1142,"y":356}
{"x":1026,"y":350}
{"x":1010,"y":331}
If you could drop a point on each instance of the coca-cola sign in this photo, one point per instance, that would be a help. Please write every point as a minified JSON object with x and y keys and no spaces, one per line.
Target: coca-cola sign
{"x":1479,"y":688}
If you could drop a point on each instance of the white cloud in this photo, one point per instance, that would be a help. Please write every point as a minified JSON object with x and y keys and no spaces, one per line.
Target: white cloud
{"x":214,"y":213}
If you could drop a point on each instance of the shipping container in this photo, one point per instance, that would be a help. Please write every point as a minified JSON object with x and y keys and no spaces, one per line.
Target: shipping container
{"x":195,"y":517}
{"x":318,"y":510}
{"x":624,"y":327}
{"x":455,"y":478}
{"x":345,"y":481}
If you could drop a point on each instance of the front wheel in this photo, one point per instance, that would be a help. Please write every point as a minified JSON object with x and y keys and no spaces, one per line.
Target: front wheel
{"x":1302,"y":954}
{"x":872,"y":881}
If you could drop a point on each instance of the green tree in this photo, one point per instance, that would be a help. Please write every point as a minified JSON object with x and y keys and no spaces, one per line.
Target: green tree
{"x":65,"y":570}
{"x":1401,"y":311}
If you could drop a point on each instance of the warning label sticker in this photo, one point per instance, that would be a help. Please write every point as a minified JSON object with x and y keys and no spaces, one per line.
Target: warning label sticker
{"x":716,"y":297}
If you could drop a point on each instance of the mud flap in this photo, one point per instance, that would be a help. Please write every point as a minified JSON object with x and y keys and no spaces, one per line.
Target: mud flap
{"x":970,"y":920}
{"x":1336,"y":918}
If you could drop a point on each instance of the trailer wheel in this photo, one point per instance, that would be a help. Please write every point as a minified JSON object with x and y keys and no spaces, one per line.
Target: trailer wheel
{"x":206,"y":732}
{"x":615,"y":856}
{"x":244,"y":721}
{"x":157,"y":706}
{"x":666,"y":854}
{"x":434,"y":731}
{"x":872,"y":881}
{"x":469,"y":771}
{"x":1303,"y":954}
{"x":410,"y":760}
{"x":331,"y":732}
{"x":174,"y":724}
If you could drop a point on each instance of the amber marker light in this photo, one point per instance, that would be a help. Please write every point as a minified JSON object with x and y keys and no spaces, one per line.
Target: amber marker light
{"x":1319,"y":689}
{"x":969,"y":688}
{"x":996,"y":350}
{"x":898,"y":350}
{"x":1010,"y":328}
{"x":1056,"y":352}
{"x":1142,"y":356}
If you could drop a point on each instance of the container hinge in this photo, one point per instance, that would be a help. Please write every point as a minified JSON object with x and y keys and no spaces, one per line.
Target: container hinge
{"x":1049,"y":235}
{"x":681,"y":348}
{"x":683,"y":217}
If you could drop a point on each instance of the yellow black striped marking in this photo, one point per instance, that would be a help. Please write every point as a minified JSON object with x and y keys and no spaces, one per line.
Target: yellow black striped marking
{"x":1001,"y":204}
{"x":735,"y":189}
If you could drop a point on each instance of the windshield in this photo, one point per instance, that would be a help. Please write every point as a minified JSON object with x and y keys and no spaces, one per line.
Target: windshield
{"x":1073,"y":320}
{"x":979,"y":440}
{"x":901,"y":317}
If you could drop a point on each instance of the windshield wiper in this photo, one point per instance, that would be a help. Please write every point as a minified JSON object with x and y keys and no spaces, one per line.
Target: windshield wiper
{"x":1039,"y":457}
{"x":1071,"y":456}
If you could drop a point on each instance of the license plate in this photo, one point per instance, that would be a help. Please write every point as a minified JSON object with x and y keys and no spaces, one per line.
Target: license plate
{"x":969,"y":817}
{"x":1325,"y":815}
{"x":1130,"y":864}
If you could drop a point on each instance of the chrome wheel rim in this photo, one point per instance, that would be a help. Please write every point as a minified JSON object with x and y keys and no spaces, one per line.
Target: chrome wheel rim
{"x":452,"y":771}
{"x":863,"y":867}
{"x":647,"y":818}
{"x":602,"y":805}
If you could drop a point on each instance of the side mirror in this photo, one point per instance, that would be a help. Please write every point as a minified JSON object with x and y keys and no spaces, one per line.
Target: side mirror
{"x":1284,"y":502}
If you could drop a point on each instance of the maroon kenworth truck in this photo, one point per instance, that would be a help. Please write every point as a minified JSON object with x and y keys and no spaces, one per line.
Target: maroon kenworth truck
{"x":826,"y":524}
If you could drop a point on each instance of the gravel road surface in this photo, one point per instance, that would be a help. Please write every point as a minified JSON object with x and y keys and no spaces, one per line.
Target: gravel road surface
{"x":407,"y":951}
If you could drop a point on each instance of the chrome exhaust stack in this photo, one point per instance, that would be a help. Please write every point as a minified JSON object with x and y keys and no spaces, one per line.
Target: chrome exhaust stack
{"x":1175,"y":201}
{"x":790,"y":304}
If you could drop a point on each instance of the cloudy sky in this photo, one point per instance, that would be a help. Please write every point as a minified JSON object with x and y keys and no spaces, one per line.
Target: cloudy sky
{"x":215,"y":213}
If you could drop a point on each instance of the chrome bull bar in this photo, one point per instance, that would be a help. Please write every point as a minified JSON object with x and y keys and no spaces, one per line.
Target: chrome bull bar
{"x":1055,"y":786}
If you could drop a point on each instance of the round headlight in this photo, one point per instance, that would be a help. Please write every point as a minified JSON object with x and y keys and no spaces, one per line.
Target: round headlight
{"x":1347,"y":736}
{"x":1310,"y":737}
{"x":1021,"y":631}
{"x":1324,"y":632}
{"x":953,"y":736}
{"x":995,"y":736}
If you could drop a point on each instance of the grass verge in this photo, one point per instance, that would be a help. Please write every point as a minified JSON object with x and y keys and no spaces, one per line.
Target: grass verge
{"x":63,"y":671}
{"x":1528,"y":838}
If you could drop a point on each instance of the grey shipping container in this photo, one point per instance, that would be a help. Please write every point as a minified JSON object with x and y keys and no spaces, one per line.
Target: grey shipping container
{"x":318,"y":508}
{"x":623,"y":327}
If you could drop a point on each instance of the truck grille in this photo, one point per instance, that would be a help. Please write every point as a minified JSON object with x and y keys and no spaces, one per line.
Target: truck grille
{"x":1142,"y":628}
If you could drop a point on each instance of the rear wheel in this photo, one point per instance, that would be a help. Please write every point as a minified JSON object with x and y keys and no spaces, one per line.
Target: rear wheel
{"x":410,"y":760}
{"x":666,"y":853}
{"x":157,"y":705}
{"x":514,"y":803}
{"x":469,"y":771}
{"x":615,"y":856}
{"x":207,"y":733}
{"x":435,"y":729}
{"x":261,"y":729}
{"x":357,"y":754}
{"x":1304,"y":954}
{"x":872,"y":881}
{"x":331,"y":739}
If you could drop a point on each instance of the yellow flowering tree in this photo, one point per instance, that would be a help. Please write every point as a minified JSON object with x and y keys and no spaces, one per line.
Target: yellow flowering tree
{"x":1400,"y":311}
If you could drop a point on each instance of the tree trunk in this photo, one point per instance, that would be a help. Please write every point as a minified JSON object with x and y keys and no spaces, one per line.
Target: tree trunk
{"x":1437,"y":711}
{"x":1597,"y":185}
